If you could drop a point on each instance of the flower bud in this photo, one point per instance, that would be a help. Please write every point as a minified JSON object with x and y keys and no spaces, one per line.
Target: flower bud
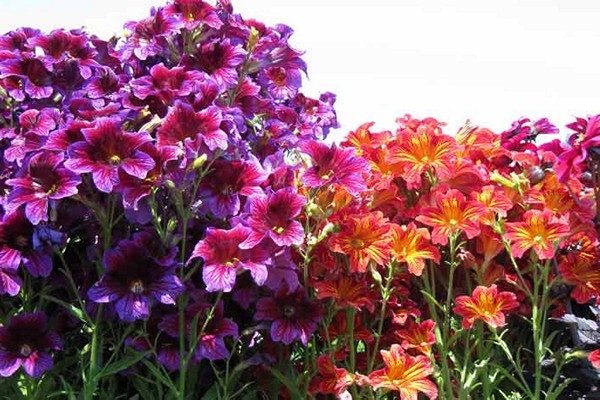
{"x":199,"y":162}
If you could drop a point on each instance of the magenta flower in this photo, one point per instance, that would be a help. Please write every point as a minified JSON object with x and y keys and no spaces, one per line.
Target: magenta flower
{"x":148,"y":35}
{"x":586,"y":136}
{"x":334,"y":166}
{"x":42,"y":180}
{"x":223,"y":258}
{"x":166,"y":84}
{"x":220,"y":59}
{"x":134,"y":280}
{"x":26,"y":341}
{"x":36,"y":74}
{"x":221,"y":190}
{"x":108,"y":149}
{"x":183,"y":125}
{"x":20,"y":242}
{"x":293,"y":315}
{"x":192,"y":13}
{"x":39,"y":122}
{"x":273,"y":215}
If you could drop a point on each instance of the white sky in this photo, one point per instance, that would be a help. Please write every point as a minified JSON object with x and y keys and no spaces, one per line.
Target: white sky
{"x":490,"y":61}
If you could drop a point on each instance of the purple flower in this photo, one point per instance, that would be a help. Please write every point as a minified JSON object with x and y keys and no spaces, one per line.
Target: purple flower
{"x":108,"y":149}
{"x":133,"y":280}
{"x":586,"y":137}
{"x":43,"y":179}
{"x":282,"y":83}
{"x":211,"y":341}
{"x":183,"y":125}
{"x":223,"y":258}
{"x":147,"y":36}
{"x":26,"y":341}
{"x":332,"y":165}
{"x":221,"y":190}
{"x":192,"y":13}
{"x":36,"y":74}
{"x":272,"y":215}
{"x":18,"y":242}
{"x":293,"y":315}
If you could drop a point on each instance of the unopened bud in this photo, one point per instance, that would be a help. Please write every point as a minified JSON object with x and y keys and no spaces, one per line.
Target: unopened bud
{"x":170,"y":184}
{"x":199,"y":162}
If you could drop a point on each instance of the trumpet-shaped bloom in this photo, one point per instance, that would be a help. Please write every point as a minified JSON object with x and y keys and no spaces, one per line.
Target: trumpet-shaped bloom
{"x":106,"y":150}
{"x":418,"y":335}
{"x":405,"y":374}
{"x":273,"y":216}
{"x":583,"y":273}
{"x":418,"y":152}
{"x":43,"y":179}
{"x":26,"y":341}
{"x":223,"y":258}
{"x":292,"y":315}
{"x":331,"y":379}
{"x":133,"y":280}
{"x":346,"y":291}
{"x":412,"y":245}
{"x":332,"y":165}
{"x":537,"y":232}
{"x":485,"y":304}
{"x":363,"y":238}
{"x":492,"y":201}
{"x":586,"y":136}
{"x":451,"y":213}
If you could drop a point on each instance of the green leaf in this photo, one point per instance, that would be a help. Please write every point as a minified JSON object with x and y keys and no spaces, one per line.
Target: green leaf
{"x":77,"y":312}
{"x":122,"y":364}
{"x":142,"y":389}
{"x":287,"y":383}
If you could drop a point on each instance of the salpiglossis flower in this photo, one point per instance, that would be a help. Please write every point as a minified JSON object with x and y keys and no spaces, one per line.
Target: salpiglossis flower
{"x":420,"y":151}
{"x":346,"y":291}
{"x":485,"y":304}
{"x":364,"y":238}
{"x":405,"y":374}
{"x":451,"y":213}
{"x":538,"y":231}
{"x":411,"y":245}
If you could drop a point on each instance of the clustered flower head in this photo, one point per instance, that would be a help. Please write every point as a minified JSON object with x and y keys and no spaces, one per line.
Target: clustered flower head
{"x":170,"y":208}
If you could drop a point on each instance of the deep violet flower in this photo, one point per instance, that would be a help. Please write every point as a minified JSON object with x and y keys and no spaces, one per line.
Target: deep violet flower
{"x":19,"y":242}
{"x":211,"y":339}
{"x":220,"y":59}
{"x":223,"y":258}
{"x":273,"y":215}
{"x":166,"y":84}
{"x":183,"y":125}
{"x":133,"y":280}
{"x":36,"y":74}
{"x":221,"y":189}
{"x":42,"y":180}
{"x":26,"y":341}
{"x":108,"y":149}
{"x":293,"y":315}
{"x":332,"y":165}
{"x":147,"y":35}
{"x":282,"y":83}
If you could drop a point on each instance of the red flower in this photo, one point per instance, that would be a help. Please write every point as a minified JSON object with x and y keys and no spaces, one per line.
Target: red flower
{"x":331,"y":379}
{"x":452,"y":213}
{"x":418,"y":336}
{"x":487,"y":305}
{"x":537,"y":231}
{"x":405,"y":374}
{"x":412,"y":246}
{"x":364,"y":239}
{"x":583,"y":272}
{"x":594,"y":358}
{"x":492,"y":201}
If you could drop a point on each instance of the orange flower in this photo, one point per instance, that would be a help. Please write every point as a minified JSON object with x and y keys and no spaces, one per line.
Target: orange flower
{"x":419,"y":336}
{"x":346,"y":291}
{"x":363,"y":138}
{"x":537,"y":231}
{"x":451,"y":213}
{"x":492,"y":201}
{"x":412,"y":246}
{"x":363,"y":238}
{"x":485,"y":304}
{"x":418,"y":152}
{"x":405,"y":374}
{"x":583,"y":272}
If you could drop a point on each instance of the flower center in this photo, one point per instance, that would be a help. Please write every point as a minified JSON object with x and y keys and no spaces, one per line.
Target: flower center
{"x":52,"y":189}
{"x":357,"y":243}
{"x":231,"y":263}
{"x":22,"y":241}
{"x":114,"y":160}
{"x":278,"y":230}
{"x":137,"y":286}
{"x":538,"y":239}
{"x":288,"y":311}
{"x":453,"y":222}
{"x":25,"y":350}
